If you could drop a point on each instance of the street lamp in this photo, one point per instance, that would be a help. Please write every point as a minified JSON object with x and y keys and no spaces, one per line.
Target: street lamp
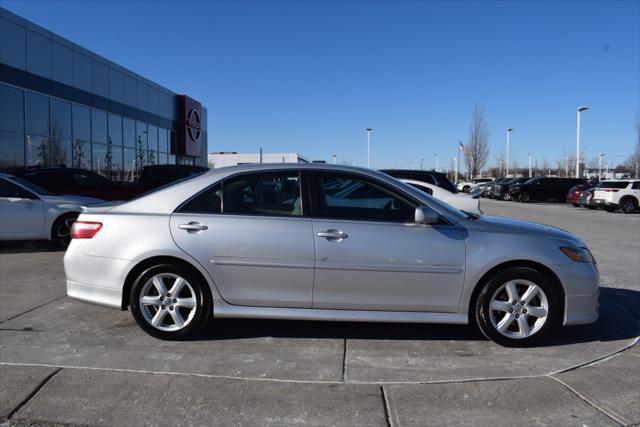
{"x":508,"y":133}
{"x":422,"y":164}
{"x":529,"y":165}
{"x":368,"y":147}
{"x":580,"y":110}
{"x":600,"y":165}
{"x":455,"y":161}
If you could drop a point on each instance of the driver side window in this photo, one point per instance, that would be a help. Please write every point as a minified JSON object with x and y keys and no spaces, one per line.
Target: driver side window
{"x":359,"y":199}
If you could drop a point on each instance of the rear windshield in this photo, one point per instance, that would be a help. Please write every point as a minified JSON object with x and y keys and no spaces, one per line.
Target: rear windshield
{"x":613,"y":184}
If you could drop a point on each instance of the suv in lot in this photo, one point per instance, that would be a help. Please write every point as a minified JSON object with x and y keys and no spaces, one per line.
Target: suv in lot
{"x":430,"y":177}
{"x":618,"y":194}
{"x":500,"y":191}
{"x":544,"y":189}
{"x":76,"y":182}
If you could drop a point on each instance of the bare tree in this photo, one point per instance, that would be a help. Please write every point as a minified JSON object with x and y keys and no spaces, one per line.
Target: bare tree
{"x":477,"y":150}
{"x":501,"y":163}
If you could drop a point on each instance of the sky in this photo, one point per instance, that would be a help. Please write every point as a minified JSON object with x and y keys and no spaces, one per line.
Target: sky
{"x":309,"y":77}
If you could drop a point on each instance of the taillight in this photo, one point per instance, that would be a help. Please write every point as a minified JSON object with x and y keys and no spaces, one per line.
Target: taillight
{"x":85,"y":230}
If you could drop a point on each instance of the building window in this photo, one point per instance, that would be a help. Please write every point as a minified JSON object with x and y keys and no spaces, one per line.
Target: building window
{"x":129,"y":132}
{"x":99,"y":126}
{"x":60,"y":119}
{"x":129,"y":166}
{"x":11,"y":149}
{"x":101,"y":159}
{"x":117,"y":169}
{"x":11,"y":108}
{"x":115,"y":129}
{"x":163,"y":140}
{"x":37,"y":114}
{"x":152,"y":143}
{"x":37,"y":150}
{"x":81,"y":123}
{"x":60,"y":152}
{"x":80,"y":154}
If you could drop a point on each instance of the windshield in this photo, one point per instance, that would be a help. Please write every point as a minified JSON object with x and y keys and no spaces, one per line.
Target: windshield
{"x":35,"y":188}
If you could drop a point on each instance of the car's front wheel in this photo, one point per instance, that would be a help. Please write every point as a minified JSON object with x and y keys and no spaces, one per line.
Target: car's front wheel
{"x":518,"y":307}
{"x":170,"y":302}
{"x":525,"y":197}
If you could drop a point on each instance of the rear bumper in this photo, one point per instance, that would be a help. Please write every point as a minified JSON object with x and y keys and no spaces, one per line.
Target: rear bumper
{"x":605,"y":202}
{"x":108,"y":297}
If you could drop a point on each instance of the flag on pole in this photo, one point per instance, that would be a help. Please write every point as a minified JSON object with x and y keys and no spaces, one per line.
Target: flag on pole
{"x":462,"y":147}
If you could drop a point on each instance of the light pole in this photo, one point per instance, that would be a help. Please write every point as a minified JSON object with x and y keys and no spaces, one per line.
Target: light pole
{"x":600,"y":166}
{"x":422,"y":164}
{"x":368,"y":147}
{"x":580,"y":110}
{"x":437,"y":168}
{"x":455,"y":161}
{"x":508,"y":133}
{"x":529,"y":165}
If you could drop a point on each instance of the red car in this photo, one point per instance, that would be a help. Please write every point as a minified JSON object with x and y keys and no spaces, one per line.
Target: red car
{"x":77,"y":182}
{"x":574,"y":192}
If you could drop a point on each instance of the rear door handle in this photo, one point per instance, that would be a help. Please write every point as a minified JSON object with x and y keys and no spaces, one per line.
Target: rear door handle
{"x":333,"y":235}
{"x":193,"y":226}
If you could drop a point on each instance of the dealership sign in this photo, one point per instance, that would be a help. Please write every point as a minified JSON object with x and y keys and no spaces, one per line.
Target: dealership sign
{"x":190,"y":135}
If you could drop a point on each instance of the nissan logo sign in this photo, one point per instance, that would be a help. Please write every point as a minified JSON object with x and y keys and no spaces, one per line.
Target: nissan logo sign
{"x":193,"y":124}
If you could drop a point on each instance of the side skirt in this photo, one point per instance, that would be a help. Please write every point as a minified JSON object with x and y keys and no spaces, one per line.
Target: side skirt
{"x":222,"y":310}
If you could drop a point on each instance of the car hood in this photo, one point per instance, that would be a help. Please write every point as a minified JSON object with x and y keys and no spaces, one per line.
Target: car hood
{"x":500,"y":224}
{"x":68,"y":199}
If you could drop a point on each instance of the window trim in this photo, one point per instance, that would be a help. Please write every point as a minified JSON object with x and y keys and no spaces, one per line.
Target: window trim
{"x":303,"y":193}
{"x":316,"y":196}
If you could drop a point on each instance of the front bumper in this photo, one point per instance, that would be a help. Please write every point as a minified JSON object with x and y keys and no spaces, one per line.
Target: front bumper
{"x":581,"y":285}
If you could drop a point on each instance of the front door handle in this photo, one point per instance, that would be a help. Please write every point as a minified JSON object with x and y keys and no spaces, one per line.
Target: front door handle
{"x":193,"y":227}
{"x":333,"y":234}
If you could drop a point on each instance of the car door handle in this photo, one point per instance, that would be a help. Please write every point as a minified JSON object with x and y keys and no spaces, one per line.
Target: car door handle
{"x":193,"y":226}
{"x":333,"y":235}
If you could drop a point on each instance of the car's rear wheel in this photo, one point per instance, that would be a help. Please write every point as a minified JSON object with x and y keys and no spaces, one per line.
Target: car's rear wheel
{"x":525,"y":197}
{"x":61,"y":230}
{"x":518,"y":307}
{"x":628,"y":205}
{"x":465,"y":188}
{"x":170,"y":302}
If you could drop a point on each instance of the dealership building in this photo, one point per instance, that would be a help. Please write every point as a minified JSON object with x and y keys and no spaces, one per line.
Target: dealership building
{"x":62,"y":105}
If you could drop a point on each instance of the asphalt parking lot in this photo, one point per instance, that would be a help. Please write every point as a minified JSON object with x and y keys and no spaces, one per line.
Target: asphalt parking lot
{"x":70,"y":363}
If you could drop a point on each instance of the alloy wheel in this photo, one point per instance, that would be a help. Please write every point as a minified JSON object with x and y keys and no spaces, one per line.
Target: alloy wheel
{"x":518,"y":309}
{"x":168,"y":302}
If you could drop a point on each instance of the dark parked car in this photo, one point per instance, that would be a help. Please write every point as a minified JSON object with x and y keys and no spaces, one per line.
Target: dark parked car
{"x":544,"y":189}
{"x":487,"y":189}
{"x":574,"y":193}
{"x":500,"y":191}
{"x":430,"y":177}
{"x":77,"y":182}
{"x":159,"y":175}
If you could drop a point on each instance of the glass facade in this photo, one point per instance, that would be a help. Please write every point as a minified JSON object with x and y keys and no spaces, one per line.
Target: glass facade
{"x":41,"y":130}
{"x":63,"y":105}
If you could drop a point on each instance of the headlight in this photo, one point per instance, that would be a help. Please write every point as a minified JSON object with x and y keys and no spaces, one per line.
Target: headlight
{"x":578,"y":254}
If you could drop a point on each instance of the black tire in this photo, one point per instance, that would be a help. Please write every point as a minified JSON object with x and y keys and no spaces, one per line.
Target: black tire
{"x":465,"y":188}
{"x":61,"y":230}
{"x":485,"y":318}
{"x":525,"y":197}
{"x":628,"y":205}
{"x":506,"y":197}
{"x":195,"y":288}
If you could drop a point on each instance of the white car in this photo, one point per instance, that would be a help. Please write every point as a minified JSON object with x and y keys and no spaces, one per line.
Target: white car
{"x":470,"y":187}
{"x":623,"y":194}
{"x":29,"y":212}
{"x":463,"y":202}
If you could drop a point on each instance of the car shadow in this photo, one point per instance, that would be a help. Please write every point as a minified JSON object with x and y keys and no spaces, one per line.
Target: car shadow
{"x":619,"y":320}
{"x":27,"y":246}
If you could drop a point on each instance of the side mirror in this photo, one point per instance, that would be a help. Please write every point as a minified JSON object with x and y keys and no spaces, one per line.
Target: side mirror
{"x":426,"y":215}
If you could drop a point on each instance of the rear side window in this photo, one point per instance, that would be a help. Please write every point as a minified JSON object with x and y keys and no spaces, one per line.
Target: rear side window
{"x":207,"y":202}
{"x":614,"y":184}
{"x":636,"y":185}
{"x":270,"y":194}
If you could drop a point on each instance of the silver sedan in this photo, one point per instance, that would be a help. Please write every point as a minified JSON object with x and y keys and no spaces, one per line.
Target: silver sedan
{"x":287,"y":242}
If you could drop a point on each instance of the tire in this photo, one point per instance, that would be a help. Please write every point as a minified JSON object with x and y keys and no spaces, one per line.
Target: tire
{"x":628,"y":205}
{"x":465,"y":188}
{"x":506,"y":197}
{"x":525,"y":197}
{"x":163,"y":315}
{"x":61,"y":230}
{"x":515,"y":325}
